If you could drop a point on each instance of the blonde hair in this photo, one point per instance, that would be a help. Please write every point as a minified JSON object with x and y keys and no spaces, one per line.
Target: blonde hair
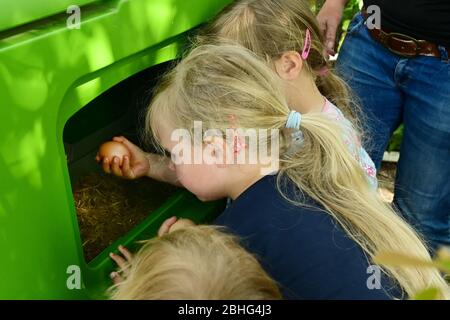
{"x":198,"y":262}
{"x":271,"y":27}
{"x":218,"y":81}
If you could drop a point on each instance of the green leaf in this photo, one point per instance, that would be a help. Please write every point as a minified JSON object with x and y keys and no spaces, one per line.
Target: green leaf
{"x":401,"y":260}
{"x":443,"y":259}
{"x":428,"y":294}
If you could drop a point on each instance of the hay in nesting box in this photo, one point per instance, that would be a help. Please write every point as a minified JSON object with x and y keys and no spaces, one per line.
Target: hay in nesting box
{"x":109,"y":207}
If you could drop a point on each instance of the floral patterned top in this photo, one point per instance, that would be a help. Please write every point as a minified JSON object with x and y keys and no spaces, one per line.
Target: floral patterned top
{"x":353,"y":142}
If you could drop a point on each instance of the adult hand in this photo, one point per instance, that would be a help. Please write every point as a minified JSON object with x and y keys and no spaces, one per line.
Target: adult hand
{"x":329,"y":19}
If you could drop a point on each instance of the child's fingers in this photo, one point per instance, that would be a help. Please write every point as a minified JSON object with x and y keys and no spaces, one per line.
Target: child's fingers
{"x":181,"y":224}
{"x":128,"y":172}
{"x":131,"y":146}
{"x":127,"y":254}
{"x":119,"y":139}
{"x":116,"y":277}
{"x":165,"y":227}
{"x":105,"y":165}
{"x":120,"y":261}
{"x":115,"y":168}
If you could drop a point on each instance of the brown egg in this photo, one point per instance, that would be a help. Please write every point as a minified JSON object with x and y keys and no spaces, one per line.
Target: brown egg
{"x":113,"y":149}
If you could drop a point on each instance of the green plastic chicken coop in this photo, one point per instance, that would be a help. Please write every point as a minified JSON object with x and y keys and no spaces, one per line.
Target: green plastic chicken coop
{"x":69,"y":71}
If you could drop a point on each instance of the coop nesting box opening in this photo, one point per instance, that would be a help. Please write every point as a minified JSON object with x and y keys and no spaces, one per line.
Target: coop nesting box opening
{"x":109,"y":207}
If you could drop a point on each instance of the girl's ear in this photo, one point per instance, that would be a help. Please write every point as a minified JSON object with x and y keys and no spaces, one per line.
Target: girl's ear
{"x":289,"y":65}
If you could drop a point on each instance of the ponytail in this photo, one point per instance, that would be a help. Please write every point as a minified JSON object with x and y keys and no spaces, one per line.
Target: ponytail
{"x":324,"y":169}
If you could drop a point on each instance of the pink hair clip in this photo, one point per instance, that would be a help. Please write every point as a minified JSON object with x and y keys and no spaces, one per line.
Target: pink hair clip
{"x":307,"y":45}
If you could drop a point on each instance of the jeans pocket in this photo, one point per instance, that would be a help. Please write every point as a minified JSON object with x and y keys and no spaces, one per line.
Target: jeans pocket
{"x":356,"y":24}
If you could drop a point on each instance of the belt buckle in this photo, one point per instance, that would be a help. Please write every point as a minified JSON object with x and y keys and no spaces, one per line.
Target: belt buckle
{"x":405,"y":38}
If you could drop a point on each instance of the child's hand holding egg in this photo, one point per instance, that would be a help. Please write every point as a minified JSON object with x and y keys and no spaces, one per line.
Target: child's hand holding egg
{"x":123,"y":159}
{"x":112,"y":149}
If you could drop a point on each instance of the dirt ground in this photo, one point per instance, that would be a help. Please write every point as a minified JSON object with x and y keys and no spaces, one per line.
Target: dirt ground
{"x":386,"y":178}
{"x":109,"y":207}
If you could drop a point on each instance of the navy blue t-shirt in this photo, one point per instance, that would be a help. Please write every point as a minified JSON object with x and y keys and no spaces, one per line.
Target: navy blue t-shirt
{"x":302,"y":248}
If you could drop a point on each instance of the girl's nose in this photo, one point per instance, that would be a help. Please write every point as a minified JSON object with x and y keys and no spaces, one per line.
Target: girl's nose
{"x":171,"y":166}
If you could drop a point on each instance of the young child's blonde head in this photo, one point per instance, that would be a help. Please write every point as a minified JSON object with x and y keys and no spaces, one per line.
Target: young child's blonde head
{"x":215,"y":83}
{"x":198,"y":262}
{"x":270,"y":28}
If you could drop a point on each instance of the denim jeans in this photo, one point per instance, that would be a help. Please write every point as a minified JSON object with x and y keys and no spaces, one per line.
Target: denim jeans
{"x":414,"y":91}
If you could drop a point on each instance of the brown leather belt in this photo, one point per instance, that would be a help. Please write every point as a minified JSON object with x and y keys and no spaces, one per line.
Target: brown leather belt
{"x":404,"y":45}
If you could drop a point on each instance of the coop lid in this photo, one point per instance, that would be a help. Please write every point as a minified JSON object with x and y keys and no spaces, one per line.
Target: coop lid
{"x":19,"y":12}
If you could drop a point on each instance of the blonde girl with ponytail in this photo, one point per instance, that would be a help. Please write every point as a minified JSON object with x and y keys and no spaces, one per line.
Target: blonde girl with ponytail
{"x":314,"y":222}
{"x":286,"y":34}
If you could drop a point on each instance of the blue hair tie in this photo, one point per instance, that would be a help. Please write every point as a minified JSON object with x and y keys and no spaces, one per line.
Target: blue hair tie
{"x":295,"y":138}
{"x":294,"y":120}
